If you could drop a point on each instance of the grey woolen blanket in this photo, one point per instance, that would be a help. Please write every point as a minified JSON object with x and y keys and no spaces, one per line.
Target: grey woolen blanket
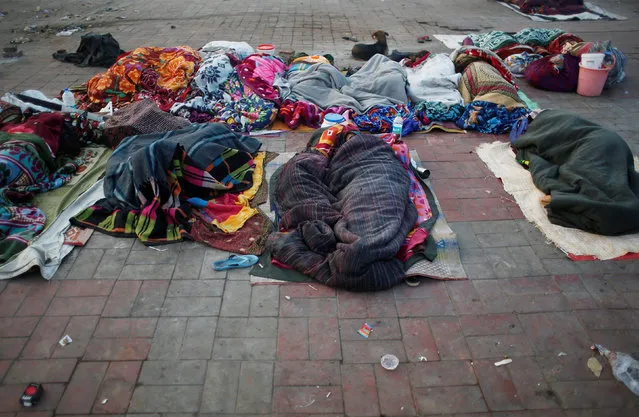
{"x":380,"y":82}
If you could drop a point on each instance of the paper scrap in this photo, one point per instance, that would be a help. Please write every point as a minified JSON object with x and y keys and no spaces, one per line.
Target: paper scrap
{"x":65,"y":340}
{"x":504,"y":362}
{"x":365,"y":330}
{"x":595,"y":366}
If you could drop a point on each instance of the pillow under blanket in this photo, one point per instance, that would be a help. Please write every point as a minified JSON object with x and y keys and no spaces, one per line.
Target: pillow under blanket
{"x":346,"y":216}
{"x":587,"y":169}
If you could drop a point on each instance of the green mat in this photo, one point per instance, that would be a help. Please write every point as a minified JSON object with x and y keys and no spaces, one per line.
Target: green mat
{"x":265,"y":269}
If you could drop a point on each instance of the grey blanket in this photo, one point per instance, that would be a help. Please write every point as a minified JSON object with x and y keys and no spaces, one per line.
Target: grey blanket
{"x":587,"y":169}
{"x":380,"y":82}
{"x":346,"y":216}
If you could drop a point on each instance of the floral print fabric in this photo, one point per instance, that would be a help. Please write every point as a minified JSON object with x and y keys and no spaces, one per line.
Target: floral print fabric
{"x":156,"y":72}
{"x":259,"y":72}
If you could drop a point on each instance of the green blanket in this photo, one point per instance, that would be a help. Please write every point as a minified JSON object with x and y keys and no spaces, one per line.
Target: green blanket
{"x":587,"y":169}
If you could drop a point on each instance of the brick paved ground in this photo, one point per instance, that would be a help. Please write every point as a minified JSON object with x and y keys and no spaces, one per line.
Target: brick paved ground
{"x":162,"y":333}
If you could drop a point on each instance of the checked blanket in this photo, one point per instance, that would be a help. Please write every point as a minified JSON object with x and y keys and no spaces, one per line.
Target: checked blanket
{"x":149,"y":178}
{"x":344,"y":212}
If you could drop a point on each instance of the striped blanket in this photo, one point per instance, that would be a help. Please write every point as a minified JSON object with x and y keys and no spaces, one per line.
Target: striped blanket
{"x":149,"y":178}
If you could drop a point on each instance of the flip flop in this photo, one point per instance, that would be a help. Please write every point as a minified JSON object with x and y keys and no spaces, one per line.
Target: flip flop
{"x":235,"y":261}
{"x":412,"y":281}
{"x":423,"y":39}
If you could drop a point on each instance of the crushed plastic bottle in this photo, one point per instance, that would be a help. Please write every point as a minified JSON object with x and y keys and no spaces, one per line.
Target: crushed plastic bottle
{"x":624,"y":367}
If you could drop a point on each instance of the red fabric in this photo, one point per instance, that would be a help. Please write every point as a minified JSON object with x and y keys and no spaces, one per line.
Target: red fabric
{"x":222,"y":208}
{"x":469,"y":54}
{"x":412,"y":63}
{"x":556,"y":46}
{"x":48,"y":126}
{"x":506,"y":51}
{"x":628,"y":256}
{"x":258,"y":72}
{"x":550,"y":7}
{"x":554,"y":73}
{"x":418,"y":238}
{"x":300,"y":112}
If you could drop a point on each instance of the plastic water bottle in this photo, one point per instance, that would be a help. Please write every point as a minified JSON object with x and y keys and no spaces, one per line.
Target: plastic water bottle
{"x":624,"y":367}
{"x":398,"y":124}
{"x":68,"y":100}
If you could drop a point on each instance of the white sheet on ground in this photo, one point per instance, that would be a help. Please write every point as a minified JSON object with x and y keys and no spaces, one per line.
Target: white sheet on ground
{"x":48,"y":250}
{"x":450,"y":41}
{"x":434,"y":80}
{"x":518,"y":182}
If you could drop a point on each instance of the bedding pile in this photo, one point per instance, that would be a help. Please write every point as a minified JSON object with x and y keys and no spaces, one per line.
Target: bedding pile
{"x":351,"y":212}
{"x":548,"y":58}
{"x":152,"y":181}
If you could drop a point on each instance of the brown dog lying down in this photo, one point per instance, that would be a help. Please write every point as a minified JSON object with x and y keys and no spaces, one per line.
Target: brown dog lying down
{"x":366,"y":51}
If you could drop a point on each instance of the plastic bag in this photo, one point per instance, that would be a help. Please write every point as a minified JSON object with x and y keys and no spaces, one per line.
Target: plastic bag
{"x":624,"y":367}
{"x":240,"y":49}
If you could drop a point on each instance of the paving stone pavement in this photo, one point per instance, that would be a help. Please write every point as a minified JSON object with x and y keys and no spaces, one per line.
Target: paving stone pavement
{"x":162,"y":334}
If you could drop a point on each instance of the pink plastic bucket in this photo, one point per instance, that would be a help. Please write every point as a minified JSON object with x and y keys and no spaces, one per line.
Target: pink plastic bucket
{"x":592,"y":80}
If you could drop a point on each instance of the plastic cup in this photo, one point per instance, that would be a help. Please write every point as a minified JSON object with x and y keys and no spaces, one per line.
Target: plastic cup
{"x":592,"y":61}
{"x":389,"y":362}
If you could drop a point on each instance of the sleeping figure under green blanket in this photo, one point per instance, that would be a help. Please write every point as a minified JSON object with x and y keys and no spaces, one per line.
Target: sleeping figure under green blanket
{"x":587,"y":170}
